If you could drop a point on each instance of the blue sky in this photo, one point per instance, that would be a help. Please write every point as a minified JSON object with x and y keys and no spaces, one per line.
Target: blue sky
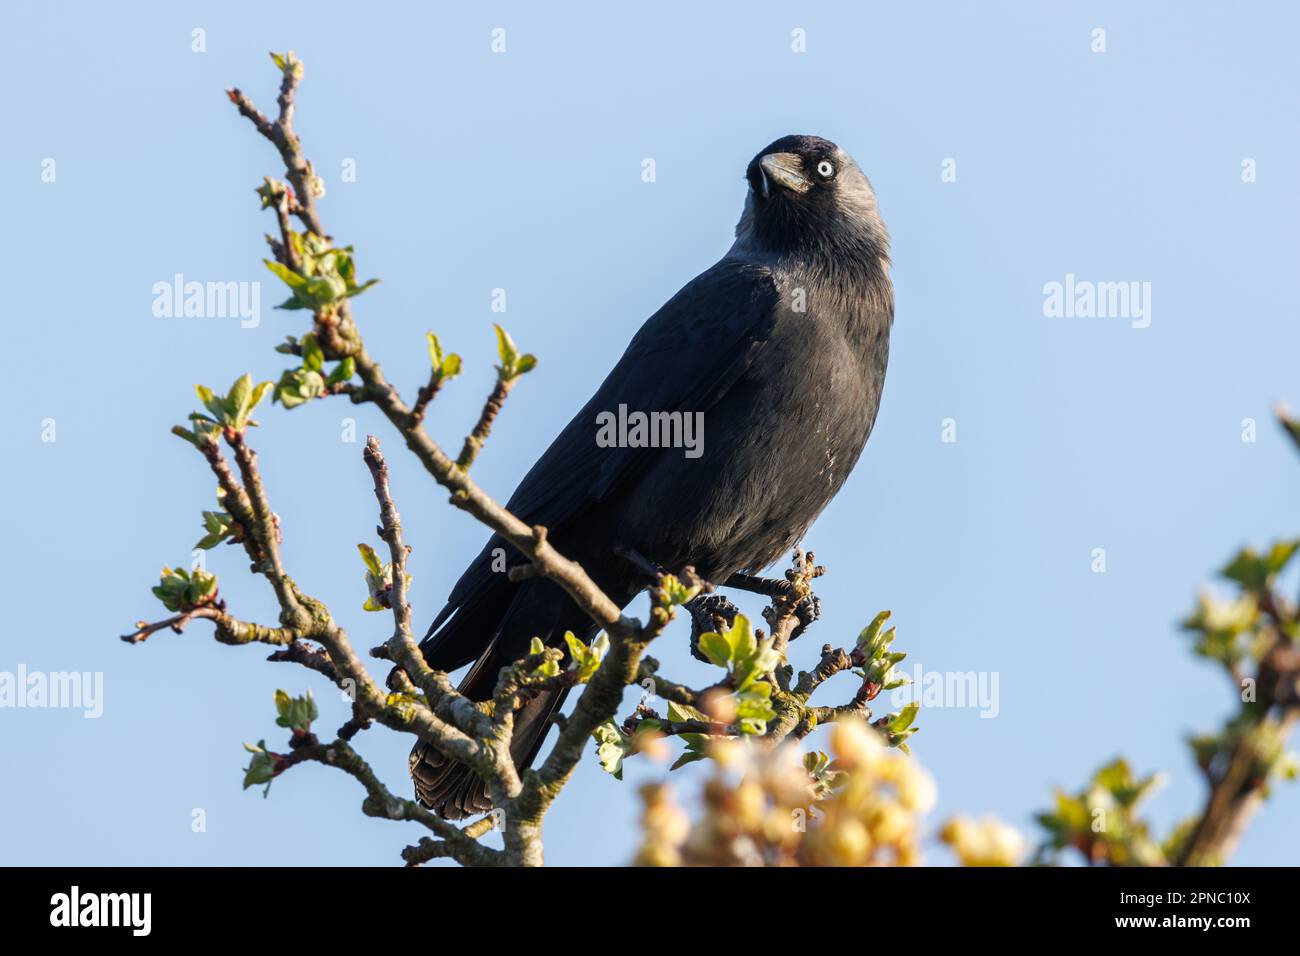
{"x":522,"y":171}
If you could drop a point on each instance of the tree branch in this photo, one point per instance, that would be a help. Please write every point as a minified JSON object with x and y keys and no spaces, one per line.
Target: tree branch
{"x":229,"y":630}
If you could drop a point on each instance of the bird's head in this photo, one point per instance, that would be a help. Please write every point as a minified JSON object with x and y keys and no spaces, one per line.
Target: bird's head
{"x":806,"y":195}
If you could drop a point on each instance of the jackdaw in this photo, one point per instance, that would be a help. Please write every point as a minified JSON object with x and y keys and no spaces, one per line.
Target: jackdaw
{"x":781,"y":346}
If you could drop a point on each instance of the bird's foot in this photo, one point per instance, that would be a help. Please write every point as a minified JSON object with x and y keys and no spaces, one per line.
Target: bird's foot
{"x":805,"y":612}
{"x":794,"y":605}
{"x":709,"y":612}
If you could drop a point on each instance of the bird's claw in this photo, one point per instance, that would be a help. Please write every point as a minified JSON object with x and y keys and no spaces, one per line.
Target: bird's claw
{"x":805,"y":612}
{"x":709,"y":612}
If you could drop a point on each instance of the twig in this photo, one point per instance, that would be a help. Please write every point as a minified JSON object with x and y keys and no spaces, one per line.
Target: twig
{"x":491,"y":408}
{"x":1236,"y":786}
{"x":402,"y":647}
{"x":428,"y":392}
{"x":309,"y":657}
{"x":265,"y":529}
{"x":833,"y":661}
{"x":380,"y":802}
{"x":229,"y":630}
{"x":648,"y":672}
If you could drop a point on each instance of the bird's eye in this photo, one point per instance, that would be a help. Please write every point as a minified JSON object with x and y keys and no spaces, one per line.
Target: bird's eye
{"x":825,"y":170}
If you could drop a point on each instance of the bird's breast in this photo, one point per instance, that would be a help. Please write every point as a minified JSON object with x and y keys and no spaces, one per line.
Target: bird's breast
{"x":776,"y":447}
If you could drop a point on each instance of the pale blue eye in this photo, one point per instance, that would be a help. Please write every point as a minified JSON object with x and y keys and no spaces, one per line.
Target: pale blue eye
{"x":825,"y":170}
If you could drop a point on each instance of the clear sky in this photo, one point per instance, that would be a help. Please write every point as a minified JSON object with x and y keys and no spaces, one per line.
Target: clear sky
{"x":522,"y":171}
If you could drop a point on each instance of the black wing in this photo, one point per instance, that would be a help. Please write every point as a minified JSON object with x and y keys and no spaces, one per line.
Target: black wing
{"x":685,"y":358}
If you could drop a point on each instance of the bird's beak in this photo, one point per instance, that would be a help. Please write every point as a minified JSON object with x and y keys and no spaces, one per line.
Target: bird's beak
{"x":784,"y":169}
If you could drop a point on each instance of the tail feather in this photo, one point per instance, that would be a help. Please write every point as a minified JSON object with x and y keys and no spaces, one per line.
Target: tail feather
{"x":536,"y":608}
{"x":453,"y":790}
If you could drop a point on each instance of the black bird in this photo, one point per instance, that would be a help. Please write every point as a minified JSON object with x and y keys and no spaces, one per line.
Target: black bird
{"x":782,"y":345}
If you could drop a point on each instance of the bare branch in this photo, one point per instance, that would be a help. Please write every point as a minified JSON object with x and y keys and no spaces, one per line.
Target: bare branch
{"x":833,"y":661}
{"x":380,"y":802}
{"x":402,"y":647}
{"x":309,"y":657}
{"x":491,"y":408}
{"x":229,"y":630}
{"x":265,"y":530}
{"x":661,"y":686}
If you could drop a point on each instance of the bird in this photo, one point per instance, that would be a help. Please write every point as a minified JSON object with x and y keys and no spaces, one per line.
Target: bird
{"x":779,"y":350}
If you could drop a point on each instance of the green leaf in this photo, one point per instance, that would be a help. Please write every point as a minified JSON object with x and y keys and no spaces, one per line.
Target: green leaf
{"x":716,"y":648}
{"x":379,"y":580}
{"x":373,"y":564}
{"x":742,"y":640}
{"x":312,"y":356}
{"x":290,"y":278}
{"x":585,"y":661}
{"x":867,"y":639}
{"x":548,"y":668}
{"x":1281,"y":554}
{"x":346,"y":265}
{"x":679,"y":713}
{"x":755,"y":699}
{"x":512,"y":363}
{"x":181,"y":591}
{"x":675,"y":592}
{"x":271,"y":191}
{"x":261,"y":769}
{"x":299,"y":386}
{"x":695,"y":749}
{"x":231,"y":410}
{"x":200,"y":432}
{"x":754,"y":708}
{"x":240,"y":395}
{"x":259,"y":392}
{"x":296,"y":713}
{"x":611,"y":748}
{"x":358,"y":289}
{"x":214,"y":403}
{"x":903,"y":719}
{"x":506,"y":348}
{"x":323,"y":290}
{"x":688,"y":756}
{"x":343,"y":372}
{"x":447,"y":367}
{"x":1255,"y":572}
{"x":287,"y":62}
{"x":219,"y":526}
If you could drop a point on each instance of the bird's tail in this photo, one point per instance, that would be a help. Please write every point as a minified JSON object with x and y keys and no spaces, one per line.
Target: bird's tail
{"x":505,"y":621}
{"x":453,"y":790}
